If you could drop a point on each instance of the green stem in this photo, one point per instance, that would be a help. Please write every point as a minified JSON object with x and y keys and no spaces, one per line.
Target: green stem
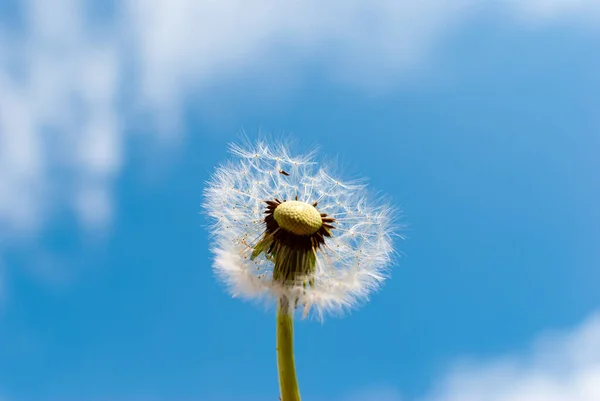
{"x":288,"y":384}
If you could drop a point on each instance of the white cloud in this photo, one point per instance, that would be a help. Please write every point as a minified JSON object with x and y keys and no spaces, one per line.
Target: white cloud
{"x":186,"y":42}
{"x":544,"y":11}
{"x":59,"y":131}
{"x":558,"y":367}
{"x":69,"y":84}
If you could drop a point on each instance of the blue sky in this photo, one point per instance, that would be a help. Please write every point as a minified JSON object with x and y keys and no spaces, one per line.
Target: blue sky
{"x":480,"y":120}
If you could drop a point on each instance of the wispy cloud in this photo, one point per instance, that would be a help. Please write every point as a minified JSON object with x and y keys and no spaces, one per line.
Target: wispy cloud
{"x":546,"y":11}
{"x":72,"y":84}
{"x":184,"y":42}
{"x":60,"y":136}
{"x":558,"y":367}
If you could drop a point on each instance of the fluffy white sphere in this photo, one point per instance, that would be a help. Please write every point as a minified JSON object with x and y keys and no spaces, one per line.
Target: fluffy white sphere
{"x":352,"y":263}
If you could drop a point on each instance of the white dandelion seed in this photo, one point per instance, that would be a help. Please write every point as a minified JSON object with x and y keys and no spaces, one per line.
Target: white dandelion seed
{"x":284,"y":229}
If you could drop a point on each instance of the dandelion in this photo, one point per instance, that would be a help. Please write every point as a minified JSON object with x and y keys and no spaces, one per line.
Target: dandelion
{"x":286,"y":231}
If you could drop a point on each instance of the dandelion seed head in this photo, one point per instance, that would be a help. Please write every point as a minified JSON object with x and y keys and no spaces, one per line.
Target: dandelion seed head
{"x":272,"y":212}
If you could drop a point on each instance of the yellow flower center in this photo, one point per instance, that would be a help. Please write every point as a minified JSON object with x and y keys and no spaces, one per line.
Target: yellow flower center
{"x":298,"y":217}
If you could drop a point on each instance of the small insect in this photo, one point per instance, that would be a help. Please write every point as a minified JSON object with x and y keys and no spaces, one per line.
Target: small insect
{"x":284,"y":172}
